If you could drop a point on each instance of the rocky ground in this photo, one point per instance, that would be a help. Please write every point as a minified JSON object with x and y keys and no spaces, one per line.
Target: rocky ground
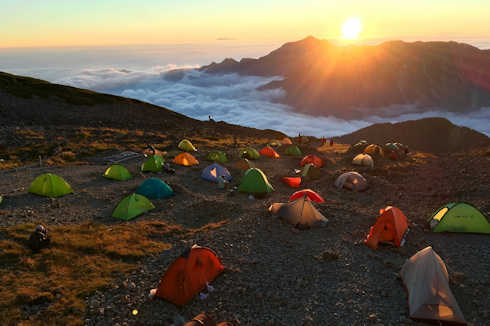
{"x":275,"y":274}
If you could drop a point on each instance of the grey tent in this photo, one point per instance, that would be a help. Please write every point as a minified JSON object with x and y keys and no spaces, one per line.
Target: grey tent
{"x":299,"y":212}
{"x":351,"y":180}
{"x":429,"y":296}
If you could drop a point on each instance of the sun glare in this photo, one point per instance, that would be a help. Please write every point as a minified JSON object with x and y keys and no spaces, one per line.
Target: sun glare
{"x":351,"y":29}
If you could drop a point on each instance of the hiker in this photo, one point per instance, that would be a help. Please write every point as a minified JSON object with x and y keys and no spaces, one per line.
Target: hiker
{"x":324,"y":141}
{"x":331,"y":142}
{"x":39,"y":238}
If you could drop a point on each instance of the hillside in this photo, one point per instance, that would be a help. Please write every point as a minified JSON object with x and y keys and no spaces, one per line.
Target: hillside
{"x":433,"y":135}
{"x":357,"y":80}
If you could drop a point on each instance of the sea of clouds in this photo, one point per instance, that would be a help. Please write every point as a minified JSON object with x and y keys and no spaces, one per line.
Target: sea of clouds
{"x":235,"y":99}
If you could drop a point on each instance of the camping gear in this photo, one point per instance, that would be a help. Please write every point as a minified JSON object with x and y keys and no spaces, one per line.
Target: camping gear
{"x":363,"y":159}
{"x":189,"y":274}
{"x":313,"y":159}
{"x":310,"y":172}
{"x":154,"y":188}
{"x":293,"y":182}
{"x":201,"y":320}
{"x":186,"y":146}
{"x":426,"y":280}
{"x":50,"y":185}
{"x":39,"y":238}
{"x":300,"y":212}
{"x":255,"y":182}
{"x":375,"y":151}
{"x":286,"y":141}
{"x":308,"y":193}
{"x":391,"y":226}
{"x":352,"y":181}
{"x":166,"y":167}
{"x":244,"y":164}
{"x":153,"y":163}
{"x":275,"y":143}
{"x":249,"y":153}
{"x":117,"y":172}
{"x":459,"y":217}
{"x":293,"y":150}
{"x":186,"y":159}
{"x":269,"y":152}
{"x":217,"y":156}
{"x":214,"y":171}
{"x":132,"y":206}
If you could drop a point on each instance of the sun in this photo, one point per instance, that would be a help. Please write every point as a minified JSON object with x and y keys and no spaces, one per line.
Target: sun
{"x":351,"y":28}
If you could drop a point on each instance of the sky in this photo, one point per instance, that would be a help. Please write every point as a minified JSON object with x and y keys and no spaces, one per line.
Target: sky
{"x":48,"y":23}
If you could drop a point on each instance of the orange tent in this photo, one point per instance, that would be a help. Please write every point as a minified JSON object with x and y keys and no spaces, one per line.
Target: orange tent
{"x":205,"y":320}
{"x":313,"y":159}
{"x":186,"y":159}
{"x":293,"y":182}
{"x":269,"y":151}
{"x":308,"y":193}
{"x":188,"y":275}
{"x":286,"y":141}
{"x":391,"y":226}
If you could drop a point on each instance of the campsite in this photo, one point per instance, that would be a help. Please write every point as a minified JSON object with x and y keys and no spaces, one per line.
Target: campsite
{"x":274,"y":273}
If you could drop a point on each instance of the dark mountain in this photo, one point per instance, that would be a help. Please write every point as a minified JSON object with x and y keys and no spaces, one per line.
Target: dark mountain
{"x":352,"y":81}
{"x":436,"y":135}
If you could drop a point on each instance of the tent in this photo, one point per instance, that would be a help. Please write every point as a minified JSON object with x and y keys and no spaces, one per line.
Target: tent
{"x":268,"y":151}
{"x":293,"y":150}
{"x":352,"y":181}
{"x":364,"y":160}
{"x":313,"y":159}
{"x":374,"y":151}
{"x":117,"y":172}
{"x":50,"y":185}
{"x":217,"y":156}
{"x":391,"y":146}
{"x":1,"y":200}
{"x":212,"y":172}
{"x":189,"y":274}
{"x":205,"y":320}
{"x":275,"y":143}
{"x":286,"y":141}
{"x":391,"y":226}
{"x":255,"y":182}
{"x":154,"y":163}
{"x":301,"y":213}
{"x":310,"y":172}
{"x":132,"y":206}
{"x":308,"y":193}
{"x":154,"y":188}
{"x":244,"y":164}
{"x":293,"y":182}
{"x":186,"y":159}
{"x":426,"y":279}
{"x":186,"y":146}
{"x":249,"y":153}
{"x":459,"y":217}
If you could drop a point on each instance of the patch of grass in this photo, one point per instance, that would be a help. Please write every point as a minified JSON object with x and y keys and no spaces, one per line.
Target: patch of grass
{"x":81,"y":259}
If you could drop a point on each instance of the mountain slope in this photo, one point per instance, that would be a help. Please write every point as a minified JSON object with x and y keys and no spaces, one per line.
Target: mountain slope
{"x":435,"y":135}
{"x":353,"y":81}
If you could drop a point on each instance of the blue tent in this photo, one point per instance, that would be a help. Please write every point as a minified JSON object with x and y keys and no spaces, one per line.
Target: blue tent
{"x":212,"y":172}
{"x":154,"y":188}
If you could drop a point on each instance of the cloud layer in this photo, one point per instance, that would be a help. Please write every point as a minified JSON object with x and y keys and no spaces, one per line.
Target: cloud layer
{"x":235,"y":99}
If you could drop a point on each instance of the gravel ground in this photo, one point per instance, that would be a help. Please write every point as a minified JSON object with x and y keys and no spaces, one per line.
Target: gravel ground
{"x":276,"y":275}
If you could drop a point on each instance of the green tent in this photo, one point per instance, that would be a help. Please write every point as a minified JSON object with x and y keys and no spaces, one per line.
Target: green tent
{"x":132,"y":206}
{"x":459,"y":217}
{"x":310,"y":172}
{"x":186,"y":146}
{"x":117,"y":172}
{"x":255,"y":182}
{"x":293,"y":150}
{"x":275,"y":143}
{"x":50,"y":185}
{"x":153,"y":164}
{"x":249,"y":153}
{"x":217,"y":156}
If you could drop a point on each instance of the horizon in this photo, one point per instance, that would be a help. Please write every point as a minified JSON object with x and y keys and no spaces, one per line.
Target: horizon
{"x":57,"y":23}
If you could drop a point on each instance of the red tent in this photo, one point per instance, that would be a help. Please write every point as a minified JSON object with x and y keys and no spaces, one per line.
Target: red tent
{"x":308,"y":193}
{"x":269,"y":151}
{"x":293,"y":182}
{"x":391,"y":226}
{"x":313,"y":159}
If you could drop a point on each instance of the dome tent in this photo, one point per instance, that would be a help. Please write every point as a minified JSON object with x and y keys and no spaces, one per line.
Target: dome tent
{"x":269,"y":152}
{"x":459,"y":217}
{"x":117,"y":172}
{"x":249,"y":153}
{"x":363,"y":160}
{"x":214,"y":171}
{"x":352,"y":181}
{"x":186,"y":146}
{"x":50,"y":185}
{"x":154,"y":163}
{"x":255,"y":182}
{"x":186,"y":159}
{"x":312,"y":159}
{"x":300,"y":212}
{"x":154,"y":188}
{"x":391,"y":226}
{"x":293,"y":150}
{"x":217,"y":156}
{"x":132,"y":206}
